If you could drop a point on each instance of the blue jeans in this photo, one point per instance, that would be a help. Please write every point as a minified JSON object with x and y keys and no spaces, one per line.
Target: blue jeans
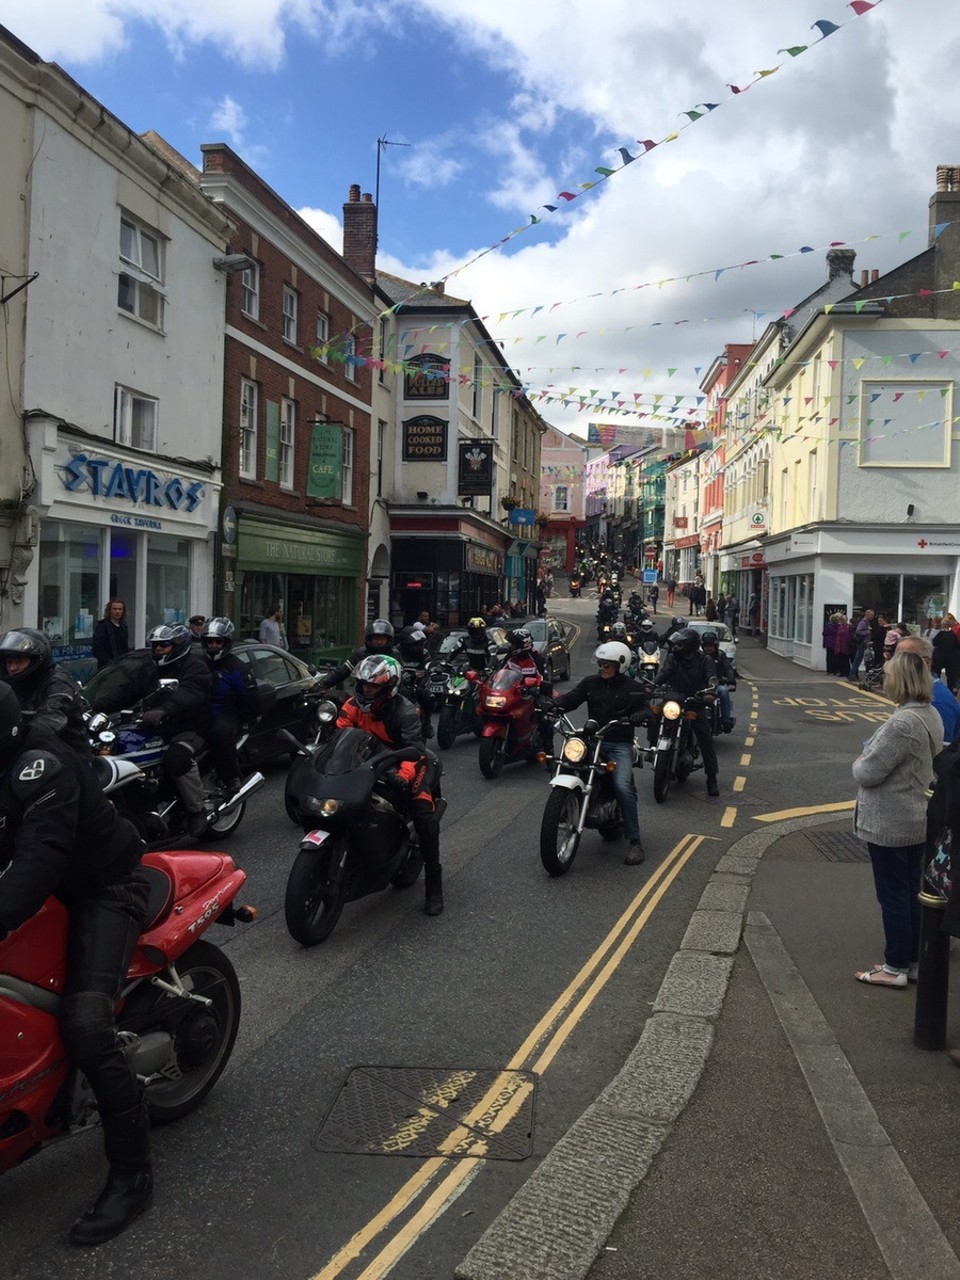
{"x":896,"y":875}
{"x":624,"y":785}
{"x":726,"y":703}
{"x":855,"y":663}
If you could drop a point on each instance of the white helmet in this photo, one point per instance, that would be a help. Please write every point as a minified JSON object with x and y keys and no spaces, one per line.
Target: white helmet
{"x":613,"y":651}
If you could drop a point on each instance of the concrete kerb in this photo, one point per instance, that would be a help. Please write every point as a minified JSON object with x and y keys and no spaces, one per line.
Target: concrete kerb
{"x":557,"y":1223}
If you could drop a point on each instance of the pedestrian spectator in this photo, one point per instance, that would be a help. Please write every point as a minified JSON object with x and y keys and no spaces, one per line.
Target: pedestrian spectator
{"x":196,"y":626}
{"x":893,"y":773}
{"x":753,"y":613}
{"x":721,"y":603}
{"x":428,"y":627}
{"x":829,"y":636}
{"x":946,"y":652}
{"x":272,"y":630}
{"x":841,"y":646}
{"x":944,"y":701}
{"x":671,"y":591}
{"x":862,"y":640}
{"x":731,"y":614}
{"x":879,"y":626}
{"x":653,"y":595}
{"x":541,"y":600}
{"x":110,"y":639}
{"x":710,"y":609}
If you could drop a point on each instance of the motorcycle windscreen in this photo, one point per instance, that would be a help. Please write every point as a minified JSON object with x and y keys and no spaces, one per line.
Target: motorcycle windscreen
{"x":506,"y":678}
{"x":339,"y":772}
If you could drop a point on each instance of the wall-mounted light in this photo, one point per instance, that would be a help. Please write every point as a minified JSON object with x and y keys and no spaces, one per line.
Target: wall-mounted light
{"x":234,"y":262}
{"x":910,"y":509}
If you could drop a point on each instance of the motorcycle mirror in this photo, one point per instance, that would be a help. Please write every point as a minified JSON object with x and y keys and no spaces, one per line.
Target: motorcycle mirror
{"x":284,"y":735}
{"x":590,"y":727}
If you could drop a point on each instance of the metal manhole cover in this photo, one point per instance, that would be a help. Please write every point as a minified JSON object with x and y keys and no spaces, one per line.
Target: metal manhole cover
{"x":839,"y":846}
{"x":432,"y":1111}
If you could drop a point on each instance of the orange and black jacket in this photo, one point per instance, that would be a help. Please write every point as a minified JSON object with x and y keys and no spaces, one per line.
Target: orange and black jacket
{"x":397,"y":724}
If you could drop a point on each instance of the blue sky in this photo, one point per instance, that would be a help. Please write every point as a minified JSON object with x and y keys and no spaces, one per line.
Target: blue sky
{"x":506,"y":104}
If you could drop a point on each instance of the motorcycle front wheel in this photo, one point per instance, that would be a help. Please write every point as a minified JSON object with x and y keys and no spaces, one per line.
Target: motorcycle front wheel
{"x":203,"y":1038}
{"x":661,"y":776}
{"x":559,"y":838}
{"x":409,"y":873}
{"x":312,"y":905}
{"x":447,"y":727}
{"x":492,"y":754}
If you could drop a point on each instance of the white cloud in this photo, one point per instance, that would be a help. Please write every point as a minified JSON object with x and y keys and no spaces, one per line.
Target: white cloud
{"x":229,"y":119}
{"x":326,"y":225}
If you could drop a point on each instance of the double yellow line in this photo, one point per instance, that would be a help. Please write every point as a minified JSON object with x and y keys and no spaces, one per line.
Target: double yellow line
{"x":535,"y":1054}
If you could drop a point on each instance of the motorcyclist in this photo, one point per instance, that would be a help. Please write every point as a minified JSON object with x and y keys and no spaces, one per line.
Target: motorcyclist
{"x":59,"y":834}
{"x":377,"y":707}
{"x":606,"y":610}
{"x":678,"y":624}
{"x":378,"y":638}
{"x":476,"y":646}
{"x":48,"y":694}
{"x":726,"y":676}
{"x":233,"y":700}
{"x":687,"y":671}
{"x":412,"y":648}
{"x":180,"y":715}
{"x":610,"y":695}
{"x":522,"y":656}
{"x":647,"y":633}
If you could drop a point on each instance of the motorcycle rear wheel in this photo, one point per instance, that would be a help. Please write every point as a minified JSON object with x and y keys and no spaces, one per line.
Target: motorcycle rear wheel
{"x":203,"y":1040}
{"x":311,"y":906}
{"x":447,"y":728}
{"x":559,"y":838}
{"x":661,"y":776}
{"x":492,"y":754}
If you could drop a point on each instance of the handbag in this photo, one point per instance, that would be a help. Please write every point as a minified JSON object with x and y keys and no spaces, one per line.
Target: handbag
{"x":938,"y":875}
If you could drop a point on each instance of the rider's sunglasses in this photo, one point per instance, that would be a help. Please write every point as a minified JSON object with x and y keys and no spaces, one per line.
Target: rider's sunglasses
{"x":162,"y":644}
{"x":608,"y":664}
{"x":214,"y":640}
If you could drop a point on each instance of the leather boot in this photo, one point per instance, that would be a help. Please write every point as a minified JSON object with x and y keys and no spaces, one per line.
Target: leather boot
{"x":129,"y":1183}
{"x":433,"y":887}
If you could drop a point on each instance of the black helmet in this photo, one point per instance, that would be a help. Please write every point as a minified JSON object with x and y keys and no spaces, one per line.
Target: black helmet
{"x":477,"y":630}
{"x":217,"y":637}
{"x":25,"y":642}
{"x":709,"y":638}
{"x":679,"y":622}
{"x":520,"y":640}
{"x":685,"y":642}
{"x":379,"y":628}
{"x":413,"y":642}
{"x":11,"y":722}
{"x":169,"y":644}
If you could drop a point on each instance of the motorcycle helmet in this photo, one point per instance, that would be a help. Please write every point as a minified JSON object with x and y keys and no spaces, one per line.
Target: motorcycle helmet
{"x":619,"y":632}
{"x":217,"y":637}
{"x":678,"y":622}
{"x":685,"y":642}
{"x":381,"y":673}
{"x":11,"y":723}
{"x":646,"y":626}
{"x":614,"y":651}
{"x":520,"y":640}
{"x":379,"y":634}
{"x":477,"y":630}
{"x":709,"y":640}
{"x":169,"y":644}
{"x":25,"y":642}
{"x":413,"y":643}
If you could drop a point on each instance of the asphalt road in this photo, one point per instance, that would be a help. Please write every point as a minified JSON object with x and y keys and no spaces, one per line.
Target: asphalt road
{"x":497,"y":983}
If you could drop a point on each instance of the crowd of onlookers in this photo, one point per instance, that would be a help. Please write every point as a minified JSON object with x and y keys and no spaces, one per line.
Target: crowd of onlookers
{"x":870,"y":637}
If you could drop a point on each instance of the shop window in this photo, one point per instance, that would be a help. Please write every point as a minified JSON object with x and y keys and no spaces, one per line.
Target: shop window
{"x":346,"y":488}
{"x":288,"y":426}
{"x":139,"y":289}
{"x":561,"y":497}
{"x":168,"y":580}
{"x":135,"y":419}
{"x":250,"y":291}
{"x":249,"y":396}
{"x":71,"y":600}
{"x":290,"y":301}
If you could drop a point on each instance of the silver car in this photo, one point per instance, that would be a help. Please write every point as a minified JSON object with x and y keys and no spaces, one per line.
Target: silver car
{"x":725,"y":640}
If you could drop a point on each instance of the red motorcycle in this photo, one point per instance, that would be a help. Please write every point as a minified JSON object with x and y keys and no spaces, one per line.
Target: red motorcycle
{"x":177,"y":1018}
{"x":509,"y":716}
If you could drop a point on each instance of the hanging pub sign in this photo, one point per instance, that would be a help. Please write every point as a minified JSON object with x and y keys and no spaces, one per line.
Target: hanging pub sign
{"x":426,"y":377}
{"x":425,"y":439}
{"x":475,"y":474}
{"x":325,"y":473}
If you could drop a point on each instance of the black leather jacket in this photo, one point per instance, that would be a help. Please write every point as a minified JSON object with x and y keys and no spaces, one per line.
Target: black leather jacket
{"x":687,"y":676}
{"x":56,"y":704}
{"x":607,"y":700}
{"x":185,"y":707}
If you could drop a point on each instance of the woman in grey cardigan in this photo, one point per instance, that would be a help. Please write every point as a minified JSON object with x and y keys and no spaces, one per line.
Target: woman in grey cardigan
{"x":893,"y":773}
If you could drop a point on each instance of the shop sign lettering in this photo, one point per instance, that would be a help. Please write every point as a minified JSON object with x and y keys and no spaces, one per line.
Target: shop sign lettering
{"x":136,"y":522}
{"x":105,"y":479}
{"x":424,"y":440}
{"x":309,"y":552}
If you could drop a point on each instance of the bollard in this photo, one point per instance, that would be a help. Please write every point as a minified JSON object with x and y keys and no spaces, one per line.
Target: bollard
{"x":933,"y":975}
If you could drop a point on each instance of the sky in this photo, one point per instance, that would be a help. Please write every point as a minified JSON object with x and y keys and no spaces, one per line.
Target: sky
{"x":493,"y":108}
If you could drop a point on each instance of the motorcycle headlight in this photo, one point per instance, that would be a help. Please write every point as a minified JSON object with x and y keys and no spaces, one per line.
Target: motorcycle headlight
{"x":326,"y":808}
{"x":671,"y":710}
{"x":327,"y":712}
{"x":495,"y":700}
{"x":574,"y":749}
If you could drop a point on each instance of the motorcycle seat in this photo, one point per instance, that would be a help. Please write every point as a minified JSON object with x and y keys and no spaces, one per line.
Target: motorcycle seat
{"x":160,"y":899}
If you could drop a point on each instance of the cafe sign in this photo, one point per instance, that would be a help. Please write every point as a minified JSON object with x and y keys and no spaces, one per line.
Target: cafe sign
{"x":425,"y":439}
{"x":325,"y":471}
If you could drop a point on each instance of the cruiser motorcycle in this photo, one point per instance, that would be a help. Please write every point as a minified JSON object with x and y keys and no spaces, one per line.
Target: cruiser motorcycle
{"x":677,"y":751}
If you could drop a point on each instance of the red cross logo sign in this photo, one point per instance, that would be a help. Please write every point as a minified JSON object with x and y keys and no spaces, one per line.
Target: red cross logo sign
{"x":922,"y":543}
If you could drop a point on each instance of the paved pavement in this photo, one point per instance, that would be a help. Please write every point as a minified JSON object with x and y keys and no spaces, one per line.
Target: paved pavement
{"x":775,"y":1118}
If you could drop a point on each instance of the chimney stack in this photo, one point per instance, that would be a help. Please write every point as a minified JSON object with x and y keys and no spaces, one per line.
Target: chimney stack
{"x":840,"y":263}
{"x":944,"y":213}
{"x":360,"y":233}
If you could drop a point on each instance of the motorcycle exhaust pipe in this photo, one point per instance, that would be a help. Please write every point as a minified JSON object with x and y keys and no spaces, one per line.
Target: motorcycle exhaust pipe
{"x":252,"y":784}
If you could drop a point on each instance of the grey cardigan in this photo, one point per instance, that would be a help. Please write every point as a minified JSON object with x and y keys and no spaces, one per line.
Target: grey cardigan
{"x":893,"y":773}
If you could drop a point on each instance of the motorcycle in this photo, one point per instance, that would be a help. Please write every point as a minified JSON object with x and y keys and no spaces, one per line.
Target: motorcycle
{"x":648,"y":660}
{"x":128,"y":763}
{"x":677,"y":752}
{"x":177,"y":1016}
{"x":356,"y":841}
{"x":574,"y":588}
{"x":581,"y":795}
{"x":509,"y":717}
{"x":459,"y":711}
{"x":715,"y":712}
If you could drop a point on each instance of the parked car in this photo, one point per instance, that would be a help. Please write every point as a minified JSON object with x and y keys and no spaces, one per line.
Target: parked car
{"x":725,"y":640}
{"x":551,"y":639}
{"x":296,"y":684}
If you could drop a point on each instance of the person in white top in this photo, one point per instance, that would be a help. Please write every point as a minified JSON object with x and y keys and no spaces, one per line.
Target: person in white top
{"x":271,"y":628}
